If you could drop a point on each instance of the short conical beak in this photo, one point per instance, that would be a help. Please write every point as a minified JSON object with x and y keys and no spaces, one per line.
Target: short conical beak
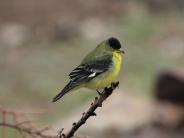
{"x":121,"y":50}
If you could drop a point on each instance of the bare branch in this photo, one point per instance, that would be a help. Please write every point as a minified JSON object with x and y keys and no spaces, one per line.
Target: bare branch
{"x":91,"y":111}
{"x":27,"y":130}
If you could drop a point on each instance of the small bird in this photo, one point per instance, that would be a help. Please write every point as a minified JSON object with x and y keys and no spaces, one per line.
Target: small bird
{"x":97,"y":70}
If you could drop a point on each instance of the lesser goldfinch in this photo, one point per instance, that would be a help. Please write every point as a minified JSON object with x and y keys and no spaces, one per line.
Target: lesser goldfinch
{"x":98,"y":69}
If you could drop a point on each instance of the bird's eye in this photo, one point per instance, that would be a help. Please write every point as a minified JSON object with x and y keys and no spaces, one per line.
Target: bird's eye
{"x":114,"y":43}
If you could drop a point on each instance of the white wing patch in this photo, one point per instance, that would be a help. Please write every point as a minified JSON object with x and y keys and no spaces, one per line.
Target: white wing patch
{"x":92,"y":75}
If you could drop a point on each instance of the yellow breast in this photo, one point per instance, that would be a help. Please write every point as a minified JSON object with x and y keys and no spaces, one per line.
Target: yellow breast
{"x":117,"y":60}
{"x":108,"y":77}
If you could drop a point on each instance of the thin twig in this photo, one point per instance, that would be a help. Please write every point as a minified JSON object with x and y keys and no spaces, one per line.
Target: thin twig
{"x":4,"y":121}
{"x":27,"y":130}
{"x":14,"y":116}
{"x":31,"y":131}
{"x":91,"y":111}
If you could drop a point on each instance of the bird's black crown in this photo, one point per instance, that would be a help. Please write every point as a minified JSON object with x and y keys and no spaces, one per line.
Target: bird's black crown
{"x":114,"y":43}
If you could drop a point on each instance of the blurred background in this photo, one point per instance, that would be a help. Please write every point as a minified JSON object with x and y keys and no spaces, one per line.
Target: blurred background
{"x":42,"y":41}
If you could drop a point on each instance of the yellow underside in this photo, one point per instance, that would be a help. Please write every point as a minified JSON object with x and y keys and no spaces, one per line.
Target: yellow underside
{"x":108,"y":77}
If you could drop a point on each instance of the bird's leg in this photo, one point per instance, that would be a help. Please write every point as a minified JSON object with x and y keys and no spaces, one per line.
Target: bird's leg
{"x":100,"y":93}
{"x":113,"y":84}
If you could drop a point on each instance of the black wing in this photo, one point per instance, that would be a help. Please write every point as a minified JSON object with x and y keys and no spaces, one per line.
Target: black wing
{"x":84,"y":73}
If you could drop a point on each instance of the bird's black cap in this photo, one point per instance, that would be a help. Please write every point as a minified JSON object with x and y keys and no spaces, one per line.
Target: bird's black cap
{"x":114,"y":43}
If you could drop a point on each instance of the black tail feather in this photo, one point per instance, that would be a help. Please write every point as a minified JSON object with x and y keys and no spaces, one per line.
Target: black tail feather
{"x":65,"y":90}
{"x":58,"y":96}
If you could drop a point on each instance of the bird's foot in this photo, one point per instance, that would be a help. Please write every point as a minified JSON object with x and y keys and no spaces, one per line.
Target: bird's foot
{"x":114,"y":84}
{"x":99,"y":93}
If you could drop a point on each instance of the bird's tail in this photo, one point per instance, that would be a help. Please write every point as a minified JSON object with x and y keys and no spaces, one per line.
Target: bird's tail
{"x":65,"y":90}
